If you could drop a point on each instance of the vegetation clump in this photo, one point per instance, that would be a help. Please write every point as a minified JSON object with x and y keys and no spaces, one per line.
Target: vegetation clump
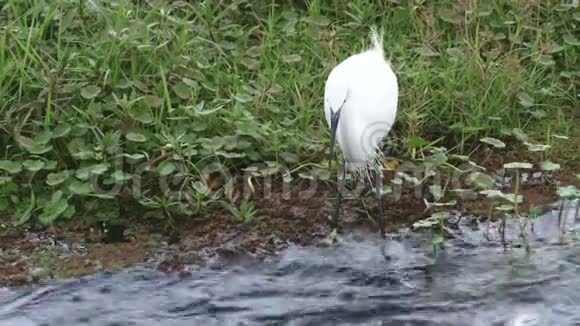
{"x":151,"y":100}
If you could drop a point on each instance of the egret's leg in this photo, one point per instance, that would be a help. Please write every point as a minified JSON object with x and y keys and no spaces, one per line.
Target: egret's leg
{"x":339,"y":198}
{"x":379,"y":188}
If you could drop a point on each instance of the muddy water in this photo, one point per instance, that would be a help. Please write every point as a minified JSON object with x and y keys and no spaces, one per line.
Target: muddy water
{"x":473,"y":281}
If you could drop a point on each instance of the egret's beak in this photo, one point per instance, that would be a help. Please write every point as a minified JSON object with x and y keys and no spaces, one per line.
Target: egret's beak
{"x":334,"y":117}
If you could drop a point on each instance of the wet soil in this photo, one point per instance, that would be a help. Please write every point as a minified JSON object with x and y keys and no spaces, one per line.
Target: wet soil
{"x":295,"y":213}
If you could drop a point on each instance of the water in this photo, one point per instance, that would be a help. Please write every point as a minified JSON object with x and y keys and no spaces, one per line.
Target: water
{"x":472,"y":282}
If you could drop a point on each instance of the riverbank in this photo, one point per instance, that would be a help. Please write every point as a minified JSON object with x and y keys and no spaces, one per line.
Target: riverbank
{"x":297,"y":216}
{"x":118,"y":118}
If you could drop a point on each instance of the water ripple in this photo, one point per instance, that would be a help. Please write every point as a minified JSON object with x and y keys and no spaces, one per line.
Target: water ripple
{"x":347,"y":284}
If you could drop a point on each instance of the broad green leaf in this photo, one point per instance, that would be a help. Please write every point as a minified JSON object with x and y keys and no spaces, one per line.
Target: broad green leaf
{"x":24,"y":216}
{"x":201,"y":188}
{"x":437,"y":239}
{"x":463,"y":158}
{"x":90,"y":92}
{"x":571,"y":39}
{"x":182,"y":90}
{"x":214,"y":143}
{"x":24,"y":141}
{"x":53,"y":210}
{"x":436,"y":191}
{"x":50,"y":165}
{"x":96,"y":169}
{"x":7,"y":186}
{"x":43,"y":137}
{"x":563,"y":7}
{"x":550,"y":166}
{"x":134,"y":157}
{"x":322,"y":174}
{"x":4,"y":204}
{"x":568,"y":192}
{"x":537,"y":147}
{"x":292,"y":58}
{"x":230,"y":154}
{"x":84,"y":154}
{"x":481,"y":180}
{"x":493,"y":194}
{"x":539,"y":114}
{"x":556,"y":49}
{"x":520,"y":134}
{"x":275,"y":89}
{"x":39,"y":149}
{"x":57,"y":195}
{"x":318,"y":20}
{"x":200,"y":109}
{"x":136,"y":137}
{"x":80,"y":129}
{"x":517,"y":165}
{"x":534,"y":210}
{"x":10,"y":166}
{"x":505,"y":208}
{"x":243,"y":98}
{"x":153,"y":101}
{"x":435,"y":160}
{"x":455,"y":53}
{"x":69,"y":212}
{"x":80,"y":188}
{"x":426,"y":51}
{"x":512,"y":198}
{"x":386,"y":190}
{"x":525,"y":99}
{"x":546,"y":60}
{"x":254,"y":51}
{"x":103,"y":195}
{"x":435,"y":219}
{"x":53,"y":179}
{"x":120,"y":176}
{"x":305,"y":175}
{"x":449,"y":15}
{"x":189,"y":152}
{"x":409,"y":178}
{"x":61,"y":131}
{"x":33,"y":165}
{"x":493,"y":142}
{"x":440,"y":216}
{"x":83,"y":173}
{"x":5,"y":180}
{"x":80,"y":150}
{"x":142,"y":114}
{"x":426,"y":223}
{"x":250,"y":63}
{"x":415,"y":142}
{"x":99,"y":168}
{"x":166,"y":168}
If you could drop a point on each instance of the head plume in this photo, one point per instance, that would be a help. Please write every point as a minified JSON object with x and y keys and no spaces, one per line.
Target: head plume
{"x":376,"y":39}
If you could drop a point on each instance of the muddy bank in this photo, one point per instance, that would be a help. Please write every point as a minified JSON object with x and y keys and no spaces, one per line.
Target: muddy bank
{"x":297,"y":214}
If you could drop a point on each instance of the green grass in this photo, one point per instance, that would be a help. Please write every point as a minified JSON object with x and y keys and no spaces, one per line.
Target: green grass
{"x":100,"y":87}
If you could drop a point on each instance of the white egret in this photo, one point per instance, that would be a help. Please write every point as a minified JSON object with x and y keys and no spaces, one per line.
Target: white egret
{"x":360,"y":106}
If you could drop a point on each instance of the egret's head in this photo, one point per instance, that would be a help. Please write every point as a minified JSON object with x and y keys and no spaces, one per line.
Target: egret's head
{"x":336,"y":93}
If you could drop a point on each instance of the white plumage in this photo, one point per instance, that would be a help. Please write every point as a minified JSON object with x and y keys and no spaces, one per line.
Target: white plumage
{"x":360,"y":106}
{"x":364,"y":88}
